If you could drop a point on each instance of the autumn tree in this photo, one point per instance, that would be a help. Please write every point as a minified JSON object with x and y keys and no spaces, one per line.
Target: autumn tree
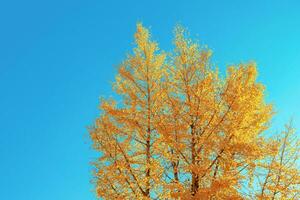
{"x":181,"y":130}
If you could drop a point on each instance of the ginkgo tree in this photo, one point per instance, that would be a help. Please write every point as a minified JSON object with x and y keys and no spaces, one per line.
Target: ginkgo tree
{"x":181,"y":130}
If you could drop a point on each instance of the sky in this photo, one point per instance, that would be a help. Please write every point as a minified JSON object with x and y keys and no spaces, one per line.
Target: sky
{"x":58,"y":57}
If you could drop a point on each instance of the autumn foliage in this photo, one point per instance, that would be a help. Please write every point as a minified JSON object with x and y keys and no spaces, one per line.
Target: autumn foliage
{"x":181,"y":130}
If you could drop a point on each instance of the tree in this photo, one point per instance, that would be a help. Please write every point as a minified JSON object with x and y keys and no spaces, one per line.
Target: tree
{"x":182,"y":131}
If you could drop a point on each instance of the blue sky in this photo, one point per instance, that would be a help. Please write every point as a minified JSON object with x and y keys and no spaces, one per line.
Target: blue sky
{"x":58,"y":57}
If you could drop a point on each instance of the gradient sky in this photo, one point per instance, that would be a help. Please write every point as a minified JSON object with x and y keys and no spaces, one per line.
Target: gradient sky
{"x":58,"y":57}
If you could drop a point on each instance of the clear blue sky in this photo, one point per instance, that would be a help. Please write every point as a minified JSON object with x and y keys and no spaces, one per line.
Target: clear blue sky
{"x":58,"y":57}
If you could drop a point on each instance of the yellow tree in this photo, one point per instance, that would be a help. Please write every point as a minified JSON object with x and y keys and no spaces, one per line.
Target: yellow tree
{"x":182,"y":131}
{"x":278,"y":173}
{"x":125,"y":134}
{"x":222,"y":120}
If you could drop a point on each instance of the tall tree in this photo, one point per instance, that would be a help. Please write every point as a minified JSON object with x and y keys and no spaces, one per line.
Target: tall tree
{"x":182,"y":131}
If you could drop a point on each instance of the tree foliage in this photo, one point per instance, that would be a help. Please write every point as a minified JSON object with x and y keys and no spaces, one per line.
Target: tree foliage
{"x":182,"y":131}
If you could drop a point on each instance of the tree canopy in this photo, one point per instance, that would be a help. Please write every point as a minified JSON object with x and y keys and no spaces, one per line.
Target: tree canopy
{"x":181,"y":130}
